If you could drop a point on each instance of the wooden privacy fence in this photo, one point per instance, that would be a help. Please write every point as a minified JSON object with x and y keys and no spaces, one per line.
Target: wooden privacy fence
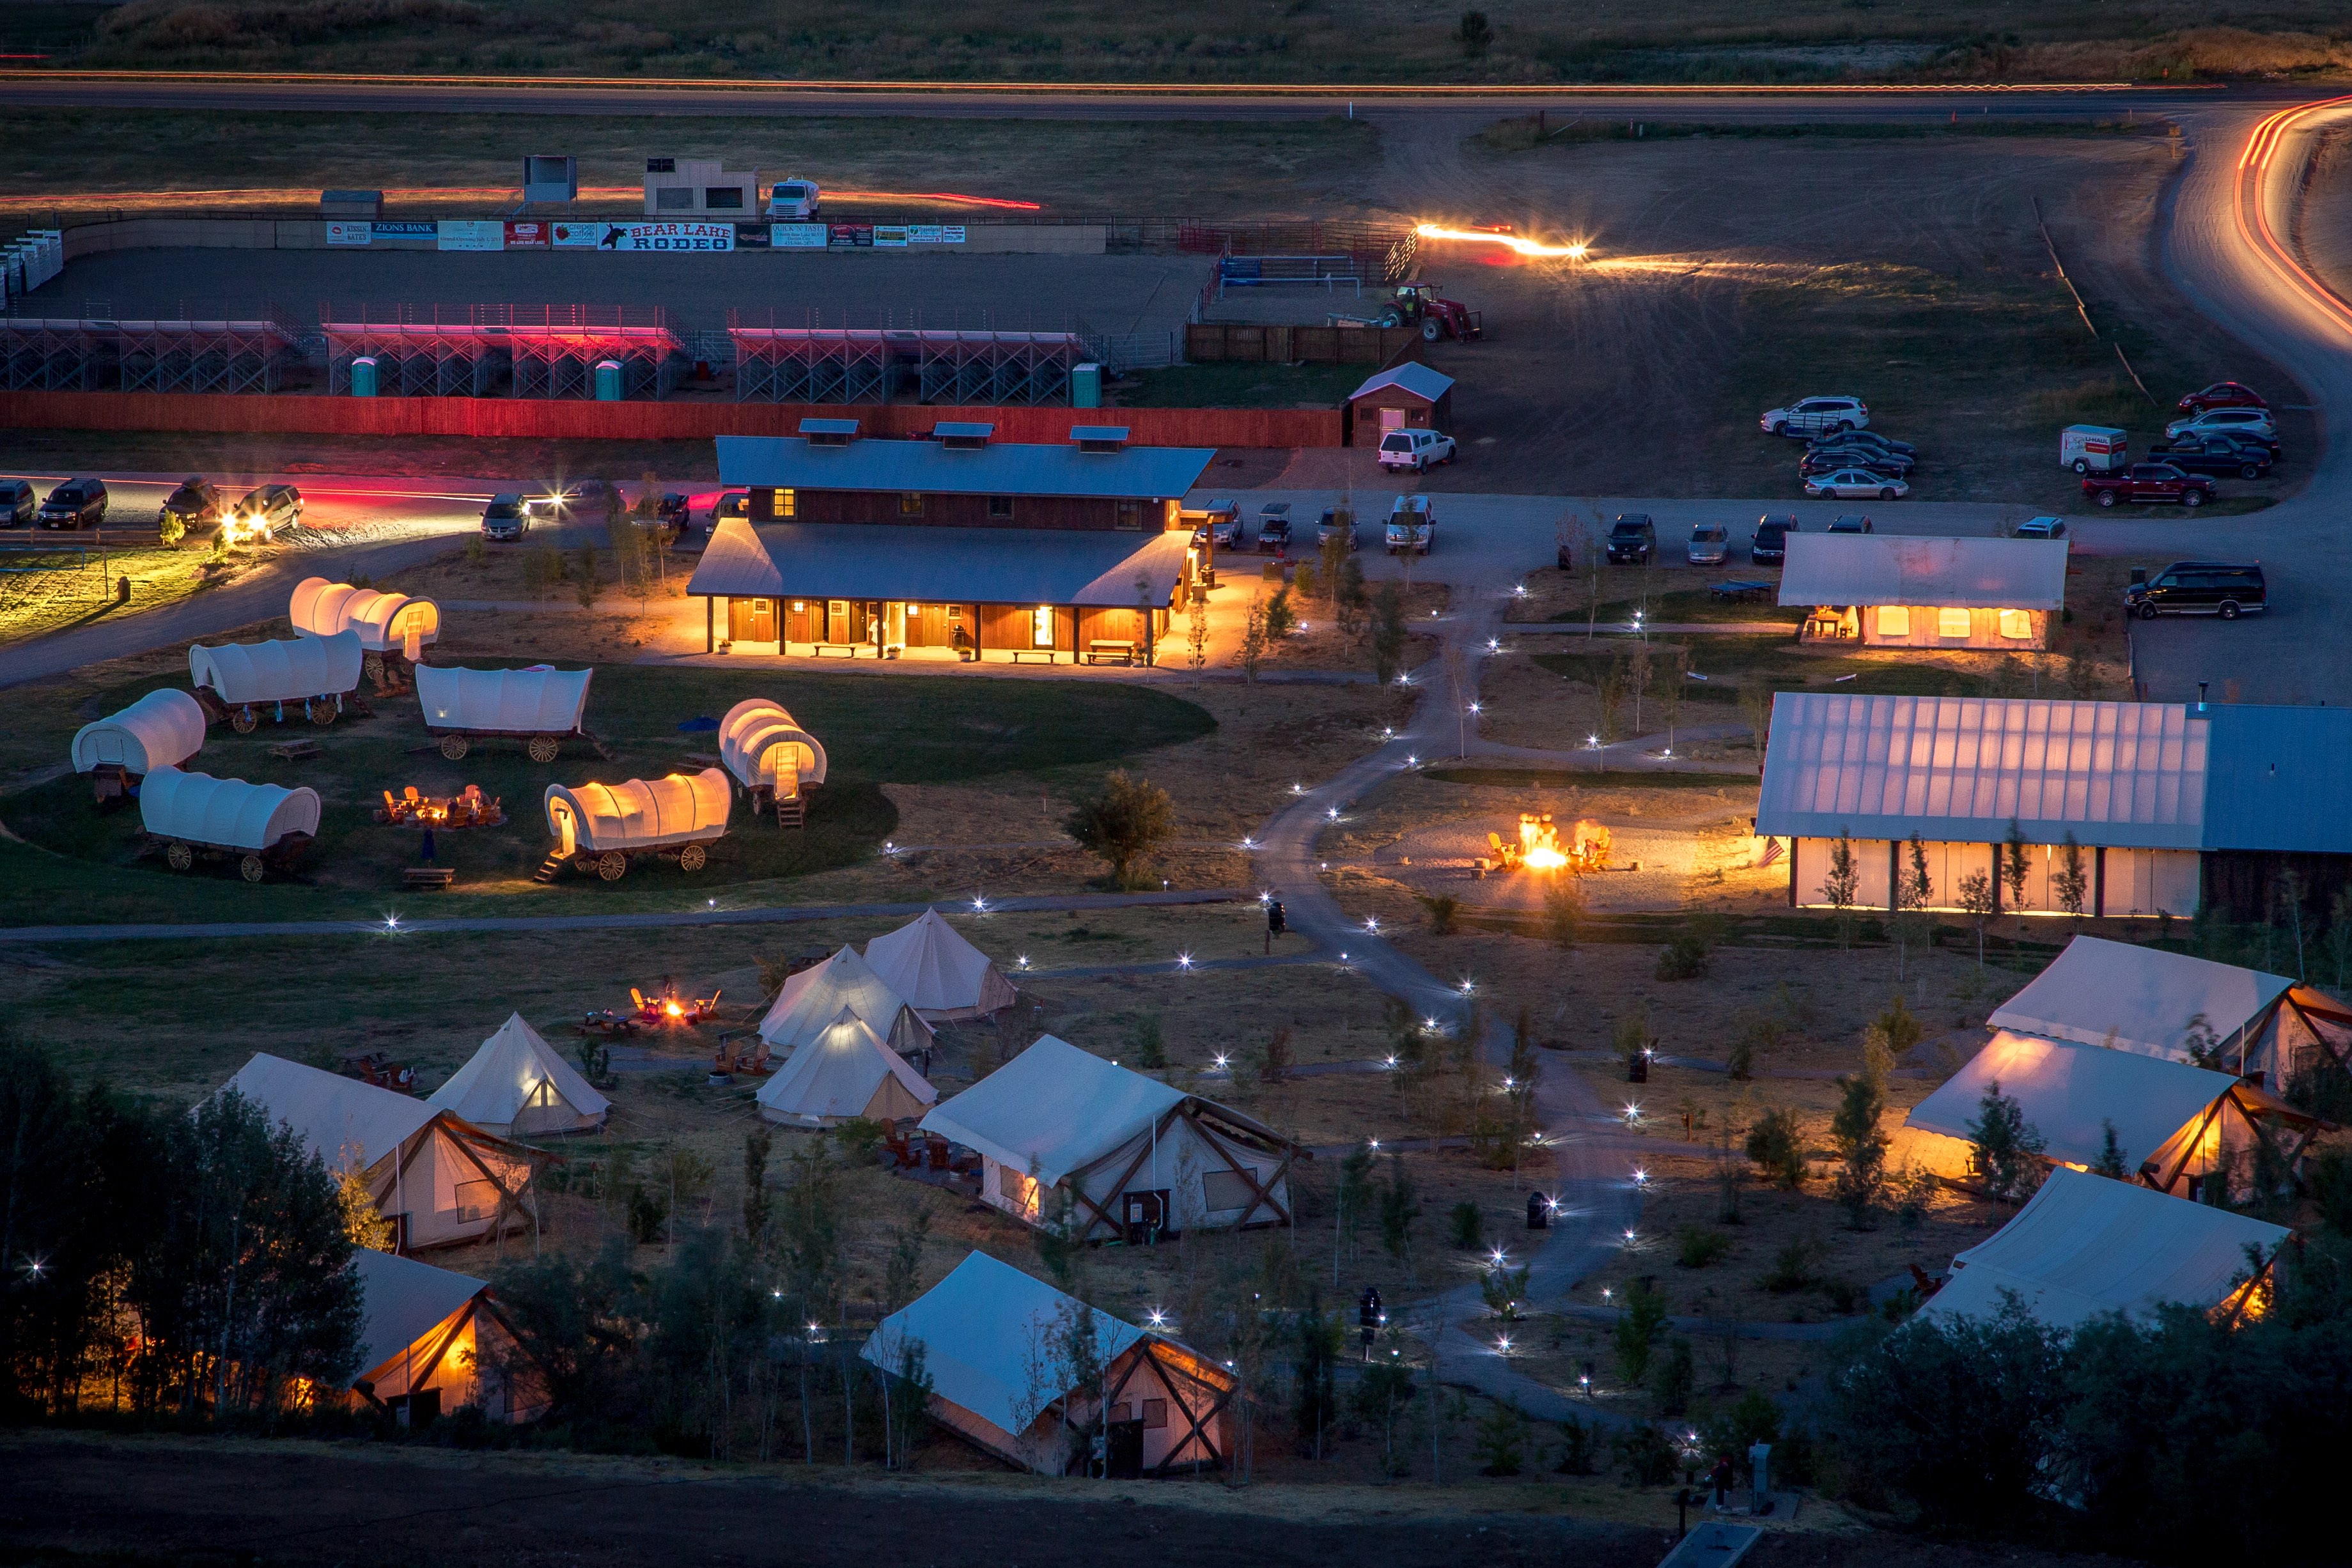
{"x":1208,"y":341}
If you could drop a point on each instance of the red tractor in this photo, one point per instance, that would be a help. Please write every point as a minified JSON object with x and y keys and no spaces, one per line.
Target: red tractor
{"x":1438,"y":317}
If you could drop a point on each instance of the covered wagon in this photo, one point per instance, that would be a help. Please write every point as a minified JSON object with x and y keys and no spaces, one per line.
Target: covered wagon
{"x":162,"y":729}
{"x":264,"y":826}
{"x":597,"y":827}
{"x":393,"y":628}
{"x":238,"y":680}
{"x":774,"y":758}
{"x":541,"y":706}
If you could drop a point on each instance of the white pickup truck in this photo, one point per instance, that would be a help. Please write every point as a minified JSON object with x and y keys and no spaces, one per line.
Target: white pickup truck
{"x":1412,"y":524}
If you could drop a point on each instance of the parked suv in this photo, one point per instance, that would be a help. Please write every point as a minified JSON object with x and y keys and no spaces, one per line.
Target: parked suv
{"x":1815,"y":416}
{"x":265,"y":509}
{"x":77,"y":503}
{"x":196,"y":505}
{"x":1415,"y":449}
{"x":2252,"y":421}
{"x":1768,"y":545}
{"x":1632,"y":539}
{"x":2143,"y":482}
{"x":506,"y":517}
{"x":1413,"y":526}
{"x":2200,"y":587}
{"x":17,"y":502}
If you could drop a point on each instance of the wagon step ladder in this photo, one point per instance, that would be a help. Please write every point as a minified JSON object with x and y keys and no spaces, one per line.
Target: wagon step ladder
{"x":791,"y":812}
{"x":548,"y":868}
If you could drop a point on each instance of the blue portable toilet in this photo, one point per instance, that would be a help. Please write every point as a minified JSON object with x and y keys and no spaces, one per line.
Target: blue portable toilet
{"x":608,"y":380}
{"x":363,"y":376}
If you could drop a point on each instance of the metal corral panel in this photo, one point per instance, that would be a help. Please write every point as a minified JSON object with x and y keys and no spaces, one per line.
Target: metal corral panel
{"x":1885,"y":569}
{"x":2276,"y":780}
{"x":973,"y":565}
{"x":1003,"y":469}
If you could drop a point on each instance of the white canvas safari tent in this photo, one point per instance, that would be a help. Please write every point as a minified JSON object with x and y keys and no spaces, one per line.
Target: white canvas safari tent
{"x":438,"y":1179}
{"x":942,"y":977}
{"x":241,"y":674}
{"x":516,"y":1086}
{"x":2085,"y":1246}
{"x":2159,"y":1003}
{"x":162,"y":729}
{"x":992,"y":1340}
{"x":845,"y":1072}
{"x":533,"y":702}
{"x":813,"y":999}
{"x":1065,"y":1136}
{"x":432,"y":1340}
{"x":2176,"y":1124}
{"x":386,"y":623}
{"x":759,"y":743}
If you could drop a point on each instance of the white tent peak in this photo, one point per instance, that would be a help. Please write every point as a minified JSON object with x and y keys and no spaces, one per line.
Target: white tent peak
{"x":814,"y":997}
{"x":516,"y":1085}
{"x":943,"y":976}
{"x":846,"y":1071}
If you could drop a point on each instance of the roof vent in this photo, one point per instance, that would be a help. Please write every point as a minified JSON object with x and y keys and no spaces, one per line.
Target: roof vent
{"x":1100,"y":437}
{"x":829,"y":431}
{"x":959,"y":437}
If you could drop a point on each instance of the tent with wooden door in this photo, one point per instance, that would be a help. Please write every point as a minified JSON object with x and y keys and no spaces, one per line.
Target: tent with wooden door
{"x":1066,"y":1137}
{"x":516,"y":1086}
{"x":992,"y":1341}
{"x":433,"y":1341}
{"x":386,"y":623}
{"x":438,"y":1178}
{"x":2086,"y":1246}
{"x":2160,"y":1003}
{"x":944,"y":977}
{"x":813,"y":999}
{"x":2175,"y":1124}
{"x":846,"y":1073}
{"x":162,"y":729}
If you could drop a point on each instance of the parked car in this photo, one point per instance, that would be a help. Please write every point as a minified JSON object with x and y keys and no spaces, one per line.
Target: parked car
{"x":265,"y":509}
{"x":2200,"y":587}
{"x":1847,"y":484}
{"x":2254,"y":422}
{"x":1632,"y":539}
{"x":18,"y":502}
{"x":1412,"y":524}
{"x":76,"y":504}
{"x":674,"y":511}
{"x":1335,"y":524}
{"x":1869,"y":438}
{"x":1273,"y":527}
{"x":2214,"y":454}
{"x":506,"y":517}
{"x":2144,"y":484}
{"x":1815,"y":415}
{"x":583,"y":497}
{"x":1710,"y":545}
{"x":195,"y":505}
{"x":1852,"y":525}
{"x":2222,"y":395}
{"x":1768,"y":545}
{"x":1415,"y":449}
{"x":2042,"y":528}
{"x":1830,"y":459}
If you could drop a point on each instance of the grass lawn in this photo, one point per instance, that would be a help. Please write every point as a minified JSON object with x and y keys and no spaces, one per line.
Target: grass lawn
{"x":50,"y":584}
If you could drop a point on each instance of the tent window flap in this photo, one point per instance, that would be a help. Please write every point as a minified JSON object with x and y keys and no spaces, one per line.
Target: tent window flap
{"x":1952,"y":621}
{"x":1894,"y":620}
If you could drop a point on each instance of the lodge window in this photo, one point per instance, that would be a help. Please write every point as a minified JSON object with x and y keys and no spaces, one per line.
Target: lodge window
{"x":911,"y":504}
{"x":717,"y":197}
{"x":1000,"y":509}
{"x":784,"y":504}
{"x":674,"y":198}
{"x":1894,"y":620}
{"x":1131,"y":516}
{"x":1155,"y":1414}
{"x":1952,"y":621}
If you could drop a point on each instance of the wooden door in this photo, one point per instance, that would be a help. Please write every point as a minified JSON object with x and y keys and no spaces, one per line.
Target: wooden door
{"x":836,"y":621}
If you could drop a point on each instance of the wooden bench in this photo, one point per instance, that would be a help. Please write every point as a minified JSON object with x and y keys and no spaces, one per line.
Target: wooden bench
{"x":294,"y":750}
{"x":1048,"y":654}
{"x":845,"y":650}
{"x":436,"y":877}
{"x":1110,"y":650}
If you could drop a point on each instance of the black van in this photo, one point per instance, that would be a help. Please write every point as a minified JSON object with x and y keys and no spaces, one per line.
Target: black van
{"x":1768,"y":545}
{"x":77,"y":503}
{"x":2199,"y":587}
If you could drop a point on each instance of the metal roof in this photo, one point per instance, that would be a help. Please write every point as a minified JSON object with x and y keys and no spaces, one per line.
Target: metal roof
{"x":1414,"y":377}
{"x":2276,"y":778}
{"x":1001,"y":468}
{"x":964,"y":565}
{"x":736,"y":564}
{"x":828,"y":428}
{"x":1888,"y":568}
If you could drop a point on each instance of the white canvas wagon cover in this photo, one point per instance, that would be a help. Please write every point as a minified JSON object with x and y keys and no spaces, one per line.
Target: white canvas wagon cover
{"x":943,"y":976}
{"x":844,"y":1071}
{"x":2085,"y":1245}
{"x":321,"y":609}
{"x":759,"y":737}
{"x":162,"y":729}
{"x":290,"y":671}
{"x":229,"y":812}
{"x":537,"y":701}
{"x":516,"y":1085}
{"x":813,"y":999}
{"x":644,"y":813}
{"x":2135,"y":999}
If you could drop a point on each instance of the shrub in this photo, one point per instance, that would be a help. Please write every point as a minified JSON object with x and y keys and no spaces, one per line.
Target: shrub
{"x":1468,"y":1229}
{"x":1645,"y":1456}
{"x":1684,"y":959}
{"x":1778,"y":1150}
{"x":1149,"y":1044}
{"x":1644,"y":1318}
{"x":1124,"y":824}
{"x":1696,"y":1247}
{"x":1673,"y":1377}
{"x":1445,"y":913}
{"x":1577,"y":1457}
{"x":1792,"y":1267}
{"x":1501,"y":1444}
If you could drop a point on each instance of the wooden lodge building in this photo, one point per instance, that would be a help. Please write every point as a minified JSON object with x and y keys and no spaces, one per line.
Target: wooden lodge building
{"x":956,"y":549}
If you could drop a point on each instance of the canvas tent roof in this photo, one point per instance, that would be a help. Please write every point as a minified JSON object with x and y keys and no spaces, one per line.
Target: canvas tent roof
{"x":402,"y":1301}
{"x":736,"y":564}
{"x":941,"y":976}
{"x":228,"y":812}
{"x":537,"y":701}
{"x":2071,"y":1091}
{"x":499,"y":1079}
{"x":1053,"y":1109}
{"x":1896,"y":568}
{"x":844,"y":1071}
{"x":2137,"y":999}
{"x":978,"y":1327}
{"x":757,"y":736}
{"x":162,"y":729}
{"x":640,"y":813}
{"x":321,"y":609}
{"x":2085,"y":1245}
{"x":348,"y":1124}
{"x":812,"y":999}
{"x":290,"y":671}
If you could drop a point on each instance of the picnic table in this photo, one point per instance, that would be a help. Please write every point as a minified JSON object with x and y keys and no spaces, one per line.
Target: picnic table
{"x":1743,"y":589}
{"x":466,"y":809}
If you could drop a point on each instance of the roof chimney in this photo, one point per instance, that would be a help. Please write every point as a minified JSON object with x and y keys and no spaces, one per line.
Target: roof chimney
{"x":1100,"y":437}
{"x":829,"y":431}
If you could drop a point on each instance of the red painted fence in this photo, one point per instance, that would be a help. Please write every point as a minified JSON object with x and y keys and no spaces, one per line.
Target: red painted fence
{"x":529,"y":417}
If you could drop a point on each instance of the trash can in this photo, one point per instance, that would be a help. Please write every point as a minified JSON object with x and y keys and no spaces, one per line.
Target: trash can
{"x":1085,"y":386}
{"x":363,"y":376}
{"x":608,"y":380}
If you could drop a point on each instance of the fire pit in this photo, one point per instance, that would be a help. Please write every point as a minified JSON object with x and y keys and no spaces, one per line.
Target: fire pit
{"x":1538,"y":846}
{"x":466,"y":809}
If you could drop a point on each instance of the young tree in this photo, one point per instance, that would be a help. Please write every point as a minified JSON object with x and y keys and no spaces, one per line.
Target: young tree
{"x":2112,"y":1162}
{"x":1196,"y":636}
{"x":2014,"y":870}
{"x":2072,"y":882}
{"x":1356,"y":1198}
{"x":2008,"y":1148}
{"x":1254,"y":636}
{"x":1638,"y":1325}
{"x":1281,"y":619}
{"x":1474,"y":34}
{"x":1124,"y":824}
{"x":1914,"y":889}
{"x":1400,"y":1208}
{"x":1639,"y":669}
{"x":1776,"y":1145}
{"x":587,"y":586}
{"x":1671,"y":676}
{"x":757,"y":1143}
{"x":1382,"y":1399}
{"x":1976,"y":903}
{"x":2339,"y":935}
{"x":1318,"y":1339}
{"x":1843,"y":885}
{"x":1861,"y":1179}
{"x":1756,"y":709}
{"x":1332,"y":556}
{"x":1386,"y":636}
{"x":2289,"y":895}
{"x":1609,"y":691}
{"x":1563,"y":911}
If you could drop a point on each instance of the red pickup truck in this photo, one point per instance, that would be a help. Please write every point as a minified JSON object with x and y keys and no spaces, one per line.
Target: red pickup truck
{"x":2143,"y":483}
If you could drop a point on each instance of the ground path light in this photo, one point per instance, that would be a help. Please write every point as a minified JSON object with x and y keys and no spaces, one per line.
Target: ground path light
{"x":1185,"y":960}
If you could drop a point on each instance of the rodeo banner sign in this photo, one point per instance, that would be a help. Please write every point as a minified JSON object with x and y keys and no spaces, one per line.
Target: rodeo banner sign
{"x":674,"y":236}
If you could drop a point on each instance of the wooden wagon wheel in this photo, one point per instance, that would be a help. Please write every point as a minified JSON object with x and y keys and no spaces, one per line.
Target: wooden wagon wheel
{"x":372,"y":667}
{"x":323,"y":711}
{"x":692,"y":858}
{"x":242,"y":720}
{"x":611,"y":865}
{"x":179,"y":857}
{"x":583,"y":862}
{"x":543,"y":747}
{"x":250,"y":868}
{"x":453,"y":747}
